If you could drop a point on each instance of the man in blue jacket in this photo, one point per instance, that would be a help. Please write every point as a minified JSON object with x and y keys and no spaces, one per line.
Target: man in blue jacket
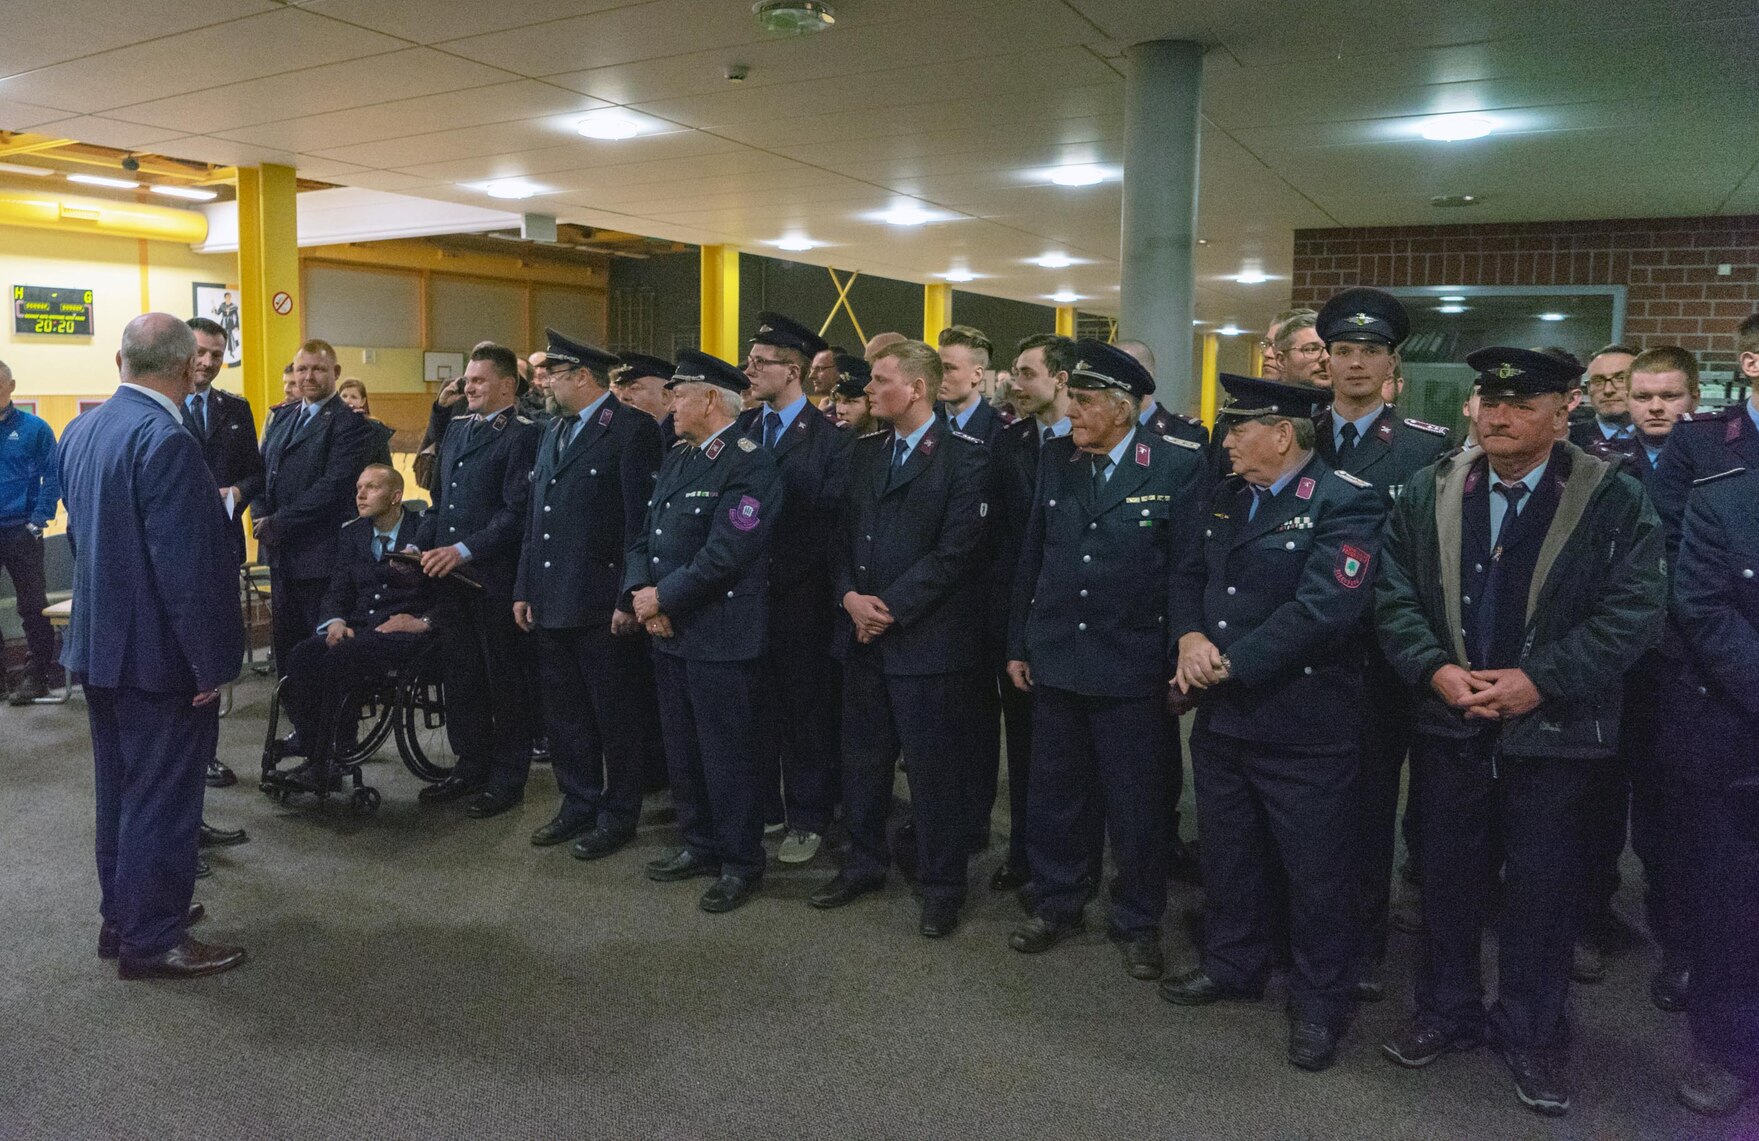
{"x":155,"y":634}
{"x":29,"y":490}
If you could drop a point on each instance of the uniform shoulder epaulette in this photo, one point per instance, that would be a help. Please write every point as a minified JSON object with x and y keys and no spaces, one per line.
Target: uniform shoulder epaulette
{"x":963,"y":436}
{"x":1351,"y":479}
{"x":1191,"y":420}
{"x":1183,"y":443}
{"x":872,"y":434}
{"x":1702,"y":480}
{"x":1426,"y":426}
{"x":358,"y":518}
{"x":525,"y":420}
{"x":1714,"y":417}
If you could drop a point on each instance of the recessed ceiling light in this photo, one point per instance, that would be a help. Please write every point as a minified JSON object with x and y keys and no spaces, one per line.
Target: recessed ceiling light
{"x":907,"y":215}
{"x":1230,"y":330}
{"x":795,"y":242}
{"x":509,"y":188}
{"x":793,"y":17}
{"x":1251,"y":277}
{"x":1194,"y":321}
{"x":32,"y":171}
{"x":1457,"y":128}
{"x":1454,"y":298}
{"x":611,"y":125}
{"x":1552,"y":316}
{"x":1450,"y":308}
{"x":186,"y":192}
{"x":1078,"y":176}
{"x":97,"y":180}
{"x":1454,"y":201}
{"x":959,"y":275}
{"x":1054,"y":261}
{"x":1203,"y":241}
{"x":1065,"y":297}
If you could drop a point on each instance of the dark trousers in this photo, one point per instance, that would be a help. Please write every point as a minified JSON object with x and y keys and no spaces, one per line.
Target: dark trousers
{"x":21,"y":556}
{"x":1387,"y":729}
{"x":1719,"y":843}
{"x":1017,"y":723}
{"x":644,"y":692}
{"x":488,"y":717}
{"x":1630,"y":795}
{"x":708,"y":711}
{"x":293,"y":612}
{"x":592,"y":718}
{"x":1261,"y":808}
{"x":1101,"y":771}
{"x":318,"y":676}
{"x":150,"y":754}
{"x":1537,"y":806}
{"x":930,"y":722}
{"x":797,"y":756}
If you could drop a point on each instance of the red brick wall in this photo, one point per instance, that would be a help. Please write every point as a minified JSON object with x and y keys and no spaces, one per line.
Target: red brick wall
{"x":1674,"y":295}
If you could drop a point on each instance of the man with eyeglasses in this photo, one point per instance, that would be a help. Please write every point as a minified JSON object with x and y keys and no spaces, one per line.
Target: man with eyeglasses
{"x":1267,"y":358}
{"x":1301,"y":353}
{"x":797,"y":720}
{"x":1608,"y":383}
{"x":821,"y":378}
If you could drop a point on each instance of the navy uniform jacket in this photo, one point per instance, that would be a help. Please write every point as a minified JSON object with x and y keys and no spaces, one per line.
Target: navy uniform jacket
{"x":365,"y":591}
{"x":152,"y":556}
{"x":1716,"y":603}
{"x":230,"y":445}
{"x":308,"y":485}
{"x":1392,"y":452}
{"x":917,"y":541}
{"x":1630,"y":453}
{"x":985,"y":422}
{"x":1095,"y":580}
{"x":1014,"y":460}
{"x":705,"y":544}
{"x":1701,"y":444}
{"x":485,"y":484}
{"x":1283,"y":597}
{"x":814,"y":459}
{"x":1166,"y":422}
{"x":585,"y":512}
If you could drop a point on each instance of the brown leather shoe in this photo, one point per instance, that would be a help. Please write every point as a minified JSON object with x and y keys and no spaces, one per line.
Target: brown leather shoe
{"x":110,"y":940}
{"x":188,"y":960}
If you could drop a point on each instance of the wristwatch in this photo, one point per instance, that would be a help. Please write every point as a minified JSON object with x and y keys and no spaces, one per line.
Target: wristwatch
{"x":36,"y":531}
{"x":1227,"y":668}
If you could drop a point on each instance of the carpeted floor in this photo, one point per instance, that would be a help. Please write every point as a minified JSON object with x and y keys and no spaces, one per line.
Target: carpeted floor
{"x":417,"y":974}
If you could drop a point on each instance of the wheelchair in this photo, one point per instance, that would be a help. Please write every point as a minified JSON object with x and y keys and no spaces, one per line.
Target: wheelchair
{"x":406,"y":705}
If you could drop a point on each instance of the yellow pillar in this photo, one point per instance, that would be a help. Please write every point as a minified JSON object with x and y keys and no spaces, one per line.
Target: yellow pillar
{"x":1209,"y":387}
{"x":1065,"y":320}
{"x":937,"y":309}
{"x":720,"y":302}
{"x":268,"y":269}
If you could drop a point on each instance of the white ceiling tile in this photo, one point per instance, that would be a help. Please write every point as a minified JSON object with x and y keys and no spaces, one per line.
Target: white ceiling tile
{"x":38,"y":35}
{"x":433,"y":21}
{"x":574,"y":154}
{"x":18,"y":116}
{"x":104,"y":132}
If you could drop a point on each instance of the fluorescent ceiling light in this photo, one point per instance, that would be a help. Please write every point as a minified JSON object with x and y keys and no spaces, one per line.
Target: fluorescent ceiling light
{"x":1450,"y":308}
{"x":188,"y":192}
{"x":959,"y":275}
{"x":795,"y":243}
{"x":1251,"y":277}
{"x":1078,"y":175}
{"x":1054,"y":261}
{"x":509,"y":188}
{"x":1453,"y":299}
{"x":32,"y":171}
{"x":1230,"y":330}
{"x":96,"y":180}
{"x":1457,"y":128}
{"x":907,"y":215}
{"x":1065,"y":297}
{"x":1552,"y":316}
{"x":610,"y":125}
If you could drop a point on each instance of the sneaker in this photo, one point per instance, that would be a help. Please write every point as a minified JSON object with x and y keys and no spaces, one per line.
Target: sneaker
{"x":1539,"y":1081}
{"x":799,"y":847}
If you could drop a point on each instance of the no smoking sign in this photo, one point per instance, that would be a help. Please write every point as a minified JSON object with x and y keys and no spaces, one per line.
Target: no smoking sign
{"x":282,"y":303}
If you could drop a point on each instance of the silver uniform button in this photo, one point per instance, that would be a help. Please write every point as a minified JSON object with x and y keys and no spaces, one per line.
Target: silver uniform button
{"x":1478,"y":567}
{"x":1466,"y":599}
{"x":546,"y":564}
{"x":546,"y":509}
{"x":1747,"y":572}
{"x":1084,"y":594}
{"x":1080,"y":625}
{"x":1307,"y":669}
{"x":656,"y":558}
{"x":1145,"y":510}
{"x":729,"y":594}
{"x":1050,"y":503}
{"x":1289,"y":546}
{"x":1231,"y":590}
{"x":592,"y":471}
{"x":1222,"y":625}
{"x":1093,"y":526}
{"x":1086,"y":558}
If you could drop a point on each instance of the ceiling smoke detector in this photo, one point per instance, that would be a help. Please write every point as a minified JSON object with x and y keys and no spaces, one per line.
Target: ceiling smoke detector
{"x":793,"y":17}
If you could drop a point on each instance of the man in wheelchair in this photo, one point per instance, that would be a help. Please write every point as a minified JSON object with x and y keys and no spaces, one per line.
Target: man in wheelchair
{"x":377,"y":618}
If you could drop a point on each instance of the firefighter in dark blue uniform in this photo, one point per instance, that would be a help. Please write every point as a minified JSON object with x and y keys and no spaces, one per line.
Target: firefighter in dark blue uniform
{"x":589,"y":490}
{"x":1269,"y":632}
{"x":1114,"y":511}
{"x":1364,"y":436}
{"x":698,"y":577}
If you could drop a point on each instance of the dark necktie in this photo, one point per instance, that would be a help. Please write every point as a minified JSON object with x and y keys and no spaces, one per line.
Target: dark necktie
{"x":1347,"y":436}
{"x":1100,"y":464}
{"x":381,"y":546}
{"x":900,"y":449}
{"x":1514,"y":493}
{"x":201,"y":414}
{"x":565,"y":435}
{"x":772,"y":428}
{"x":189,"y":421}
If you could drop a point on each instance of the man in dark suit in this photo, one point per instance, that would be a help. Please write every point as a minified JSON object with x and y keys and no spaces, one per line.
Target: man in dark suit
{"x":1705,"y":443}
{"x":798,"y":718}
{"x":640,"y":383}
{"x":1268,"y":624}
{"x":312,"y":454}
{"x":477,"y":525}
{"x":595,"y":473}
{"x":698,"y":577}
{"x":1115,"y":509}
{"x":908,"y":570}
{"x":155,"y":635}
{"x":965,"y":354}
{"x":1608,"y":382}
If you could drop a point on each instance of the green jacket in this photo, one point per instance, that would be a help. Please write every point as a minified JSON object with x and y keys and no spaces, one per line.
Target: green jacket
{"x":1595,"y":606}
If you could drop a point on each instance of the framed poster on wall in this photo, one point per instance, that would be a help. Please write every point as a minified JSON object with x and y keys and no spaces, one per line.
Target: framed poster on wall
{"x":218,"y":302}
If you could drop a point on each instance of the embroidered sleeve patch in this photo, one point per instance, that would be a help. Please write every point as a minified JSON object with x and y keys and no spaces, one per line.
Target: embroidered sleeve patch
{"x":744,"y":517}
{"x":1352,"y":569}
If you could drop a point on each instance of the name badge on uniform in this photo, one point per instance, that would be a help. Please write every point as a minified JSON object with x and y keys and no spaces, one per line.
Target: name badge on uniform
{"x":1304,"y":489}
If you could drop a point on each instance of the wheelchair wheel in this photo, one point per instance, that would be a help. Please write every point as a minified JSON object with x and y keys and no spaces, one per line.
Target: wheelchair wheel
{"x":376,"y":721}
{"x":365,"y":801}
{"x":421,"y":727}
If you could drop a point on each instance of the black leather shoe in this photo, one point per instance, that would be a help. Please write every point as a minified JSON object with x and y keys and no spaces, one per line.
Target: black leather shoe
{"x":312,"y":776}
{"x":110,"y":940}
{"x":1368,"y":988}
{"x":1040,"y":934}
{"x":212,"y":837}
{"x":452,"y":788}
{"x":1420,"y":1042}
{"x":188,"y":960}
{"x":219,"y":776}
{"x":1008,"y":878}
{"x":726,"y":893}
{"x":1194,"y":988}
{"x":30,"y":688}
{"x":1539,"y":1081}
{"x":1143,"y":957}
{"x":681,"y":865}
{"x":1667,"y":990}
{"x":601,"y":842}
{"x":1712,"y":1091}
{"x":842,"y":890}
{"x":562,"y":827}
{"x":940,"y":918}
{"x":202,"y":869}
{"x":1312,"y":1045}
{"x":492,"y":802}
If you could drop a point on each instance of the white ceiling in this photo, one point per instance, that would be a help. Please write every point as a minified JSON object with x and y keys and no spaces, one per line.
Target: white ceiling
{"x":1611,"y":108}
